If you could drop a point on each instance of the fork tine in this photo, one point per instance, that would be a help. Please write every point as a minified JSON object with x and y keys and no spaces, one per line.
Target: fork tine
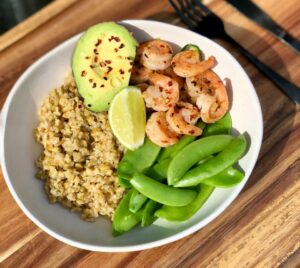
{"x":180,"y":12}
{"x":203,"y":7}
{"x":197,"y":14}
{"x":191,"y":11}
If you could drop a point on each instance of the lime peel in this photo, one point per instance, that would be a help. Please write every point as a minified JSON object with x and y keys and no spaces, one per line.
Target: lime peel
{"x":127,"y":117}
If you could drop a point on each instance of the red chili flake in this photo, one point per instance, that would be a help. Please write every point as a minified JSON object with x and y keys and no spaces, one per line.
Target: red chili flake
{"x":160,"y":88}
{"x":206,"y":81}
{"x":105,"y":78}
{"x":164,"y":141}
{"x":117,"y":39}
{"x":194,"y":83}
{"x":102,"y":64}
{"x":87,"y":57}
{"x":162,"y":46}
{"x":116,"y":50}
{"x":108,"y":61}
{"x":170,"y":51}
{"x":121,"y":46}
{"x":111,"y":38}
{"x":177,"y":126}
{"x":121,"y":71}
{"x":109,"y":69}
{"x":158,"y":122}
{"x":83,"y":73}
{"x":192,"y":131}
{"x":173,"y":64}
{"x":165,"y":61}
{"x":170,"y":83}
{"x":146,"y":55}
{"x":91,"y":66}
{"x":79,"y":106}
{"x":102,"y":85}
{"x":94,"y":85}
{"x":89,"y":105}
{"x":99,"y":41}
{"x":96,"y":59}
{"x":131,"y":63}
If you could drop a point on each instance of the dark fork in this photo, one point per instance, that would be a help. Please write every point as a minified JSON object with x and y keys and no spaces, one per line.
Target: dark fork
{"x":203,"y":21}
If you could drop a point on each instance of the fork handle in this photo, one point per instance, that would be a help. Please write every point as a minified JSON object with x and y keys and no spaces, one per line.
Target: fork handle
{"x":286,"y":86}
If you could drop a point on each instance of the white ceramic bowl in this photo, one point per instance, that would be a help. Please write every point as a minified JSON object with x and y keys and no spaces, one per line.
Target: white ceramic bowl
{"x":19,"y":150}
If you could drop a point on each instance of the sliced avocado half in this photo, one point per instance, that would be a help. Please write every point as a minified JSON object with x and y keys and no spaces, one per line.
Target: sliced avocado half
{"x":102,"y":62}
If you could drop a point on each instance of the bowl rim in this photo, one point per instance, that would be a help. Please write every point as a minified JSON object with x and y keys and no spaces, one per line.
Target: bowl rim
{"x":147,"y":245}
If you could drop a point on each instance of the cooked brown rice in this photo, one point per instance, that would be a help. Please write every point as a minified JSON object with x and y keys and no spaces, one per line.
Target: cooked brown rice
{"x":80,"y":154}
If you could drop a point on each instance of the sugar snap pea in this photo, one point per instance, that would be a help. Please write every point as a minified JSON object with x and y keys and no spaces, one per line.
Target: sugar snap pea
{"x":148,"y":213}
{"x":138,"y":160}
{"x":162,"y":193}
{"x":222,"y":126}
{"x":124,"y":183}
{"x":171,"y":151}
{"x":137,"y":200}
{"x":193,"y":153}
{"x":123,"y":219}
{"x":159,"y":170}
{"x":226,"y":158}
{"x":226,"y":178}
{"x":184,"y":213}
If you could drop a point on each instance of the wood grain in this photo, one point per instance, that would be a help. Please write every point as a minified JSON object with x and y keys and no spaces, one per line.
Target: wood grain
{"x":33,"y":22}
{"x":260,"y":229}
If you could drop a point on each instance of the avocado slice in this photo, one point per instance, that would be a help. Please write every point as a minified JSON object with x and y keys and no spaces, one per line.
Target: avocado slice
{"x":102,"y":62}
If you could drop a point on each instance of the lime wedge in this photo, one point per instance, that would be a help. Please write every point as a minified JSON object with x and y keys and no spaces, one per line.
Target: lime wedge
{"x":127,"y":117}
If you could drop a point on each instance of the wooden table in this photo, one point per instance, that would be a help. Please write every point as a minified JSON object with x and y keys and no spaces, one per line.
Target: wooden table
{"x":260,"y":229}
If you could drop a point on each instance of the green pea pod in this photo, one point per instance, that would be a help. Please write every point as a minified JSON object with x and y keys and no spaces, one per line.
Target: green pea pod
{"x":159,"y":170}
{"x":124,"y":183}
{"x":162,"y":193}
{"x":137,"y":200}
{"x":184,"y":213}
{"x":205,"y":160}
{"x":193,"y":153}
{"x":222,"y":126}
{"x":194,"y":48}
{"x":138,"y":160}
{"x":231,"y":154}
{"x":123,"y":219}
{"x":171,"y":151}
{"x":226,"y":178}
{"x":148,"y":213}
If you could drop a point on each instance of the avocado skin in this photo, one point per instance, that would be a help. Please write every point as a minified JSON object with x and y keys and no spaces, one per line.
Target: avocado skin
{"x":102,"y":62}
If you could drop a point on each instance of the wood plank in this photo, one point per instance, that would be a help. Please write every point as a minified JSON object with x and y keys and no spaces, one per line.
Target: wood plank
{"x":33,"y":22}
{"x":260,"y":229}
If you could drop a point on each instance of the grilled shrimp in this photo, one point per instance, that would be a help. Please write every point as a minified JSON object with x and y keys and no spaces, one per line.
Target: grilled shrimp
{"x":182,"y":117}
{"x":169,"y":72}
{"x":187,"y":63}
{"x":210,"y":95}
{"x":158,"y":132}
{"x":163,"y":94}
{"x":155,"y":54}
{"x":189,"y":112}
{"x":140,"y":74}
